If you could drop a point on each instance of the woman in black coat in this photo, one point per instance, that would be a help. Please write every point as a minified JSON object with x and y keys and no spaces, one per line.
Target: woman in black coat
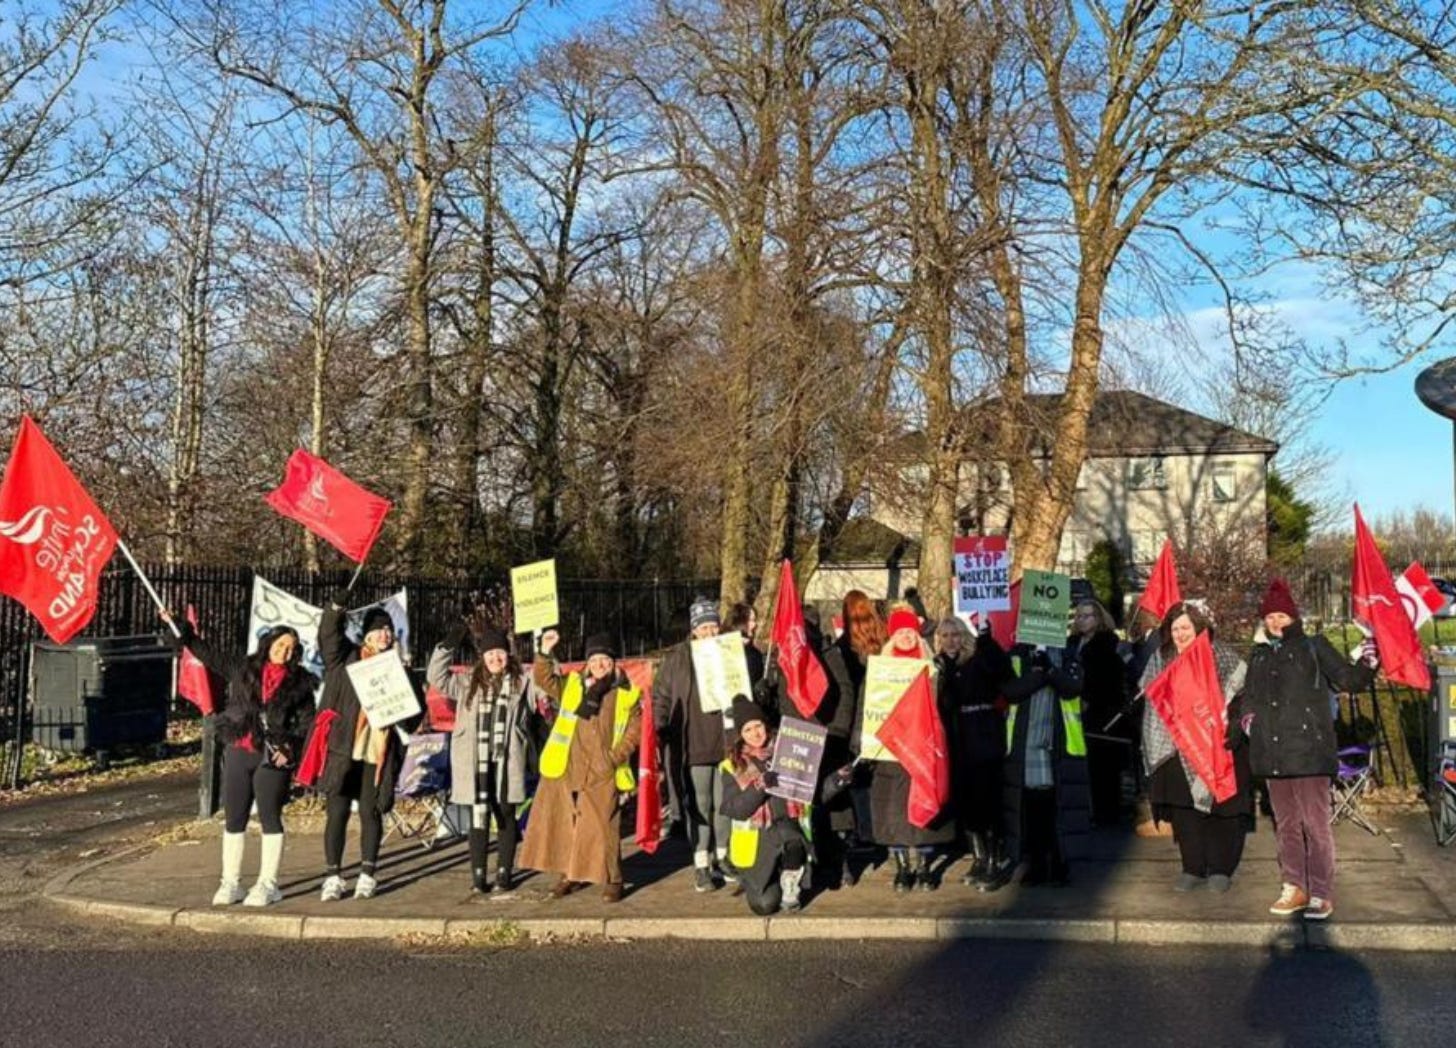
{"x":971,"y":674}
{"x":263,"y":723}
{"x":1104,"y":681}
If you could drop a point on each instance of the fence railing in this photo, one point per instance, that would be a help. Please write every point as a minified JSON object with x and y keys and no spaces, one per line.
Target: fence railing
{"x":643,"y":615}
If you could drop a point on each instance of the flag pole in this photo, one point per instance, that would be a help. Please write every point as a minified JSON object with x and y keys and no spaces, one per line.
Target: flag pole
{"x":147,"y":585}
{"x":358,"y":570}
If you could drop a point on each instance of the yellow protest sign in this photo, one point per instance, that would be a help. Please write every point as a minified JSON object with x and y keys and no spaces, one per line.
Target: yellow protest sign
{"x":886,"y":680}
{"x":533,"y":592}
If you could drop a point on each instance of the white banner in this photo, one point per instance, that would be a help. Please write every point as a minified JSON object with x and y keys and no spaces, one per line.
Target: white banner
{"x":273,"y":607}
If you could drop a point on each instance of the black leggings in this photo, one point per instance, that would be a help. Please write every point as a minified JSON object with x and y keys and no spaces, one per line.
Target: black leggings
{"x":358,"y":786}
{"x":505,"y":826}
{"x":793,"y":855}
{"x":245,"y":778}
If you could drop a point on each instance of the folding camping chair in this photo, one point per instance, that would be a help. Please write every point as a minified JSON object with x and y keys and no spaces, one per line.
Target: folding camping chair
{"x":1353,"y":780}
{"x":1443,"y":808}
{"x":423,"y":789}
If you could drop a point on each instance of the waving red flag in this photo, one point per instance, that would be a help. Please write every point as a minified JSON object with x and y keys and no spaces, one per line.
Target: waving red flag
{"x":649,"y":783}
{"x":54,"y":540}
{"x":329,"y":504}
{"x":194,"y":682}
{"x":913,"y":732}
{"x":803,"y":675}
{"x":1378,"y":608}
{"x":1162,"y":592}
{"x":1189,"y":698}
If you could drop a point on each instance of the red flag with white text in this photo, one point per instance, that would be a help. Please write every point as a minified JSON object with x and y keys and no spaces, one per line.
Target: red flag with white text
{"x":914,"y":733}
{"x":1377,"y":606}
{"x":1189,"y":698}
{"x":804,"y":676}
{"x":329,"y":504}
{"x":1418,"y":594}
{"x":194,"y":681}
{"x":1161,"y":592}
{"x":54,"y":540}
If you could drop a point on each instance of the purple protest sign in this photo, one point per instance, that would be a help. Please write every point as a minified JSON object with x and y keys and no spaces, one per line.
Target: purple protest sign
{"x":798,"y":752}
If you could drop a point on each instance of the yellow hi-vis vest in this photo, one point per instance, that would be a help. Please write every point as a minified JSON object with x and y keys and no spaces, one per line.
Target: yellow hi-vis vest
{"x":1071,"y":721}
{"x":627,"y":699}
{"x":558,"y":747}
{"x":743,"y":838}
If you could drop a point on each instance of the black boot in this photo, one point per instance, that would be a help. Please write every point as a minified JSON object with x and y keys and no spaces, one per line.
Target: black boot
{"x":478,"y":845}
{"x":999,"y":867}
{"x":502,"y":886}
{"x":904,"y":879}
{"x":980,"y":860}
{"x":920,"y":871}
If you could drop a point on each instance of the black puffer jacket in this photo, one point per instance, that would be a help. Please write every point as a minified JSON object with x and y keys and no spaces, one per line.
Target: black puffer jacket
{"x":679,"y":715}
{"x":1286,"y":700}
{"x":284,"y":721}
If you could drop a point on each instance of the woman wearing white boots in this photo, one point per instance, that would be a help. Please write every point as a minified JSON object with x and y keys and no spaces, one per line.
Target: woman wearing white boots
{"x":266,"y":717}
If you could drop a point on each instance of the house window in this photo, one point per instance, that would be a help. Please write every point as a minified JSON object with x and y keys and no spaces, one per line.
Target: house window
{"x":1222,"y":482}
{"x":1146,"y":474}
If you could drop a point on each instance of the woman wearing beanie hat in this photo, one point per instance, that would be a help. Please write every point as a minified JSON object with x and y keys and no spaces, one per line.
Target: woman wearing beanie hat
{"x":912,"y":849}
{"x":492,"y":749}
{"x":696,"y":740}
{"x":1210,"y":833}
{"x":576,"y":818}
{"x":263,"y":723}
{"x":769,"y":846}
{"x":361,"y":762}
{"x":1290,"y":727}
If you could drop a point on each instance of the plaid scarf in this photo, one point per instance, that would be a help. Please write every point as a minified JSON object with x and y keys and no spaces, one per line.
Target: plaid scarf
{"x":490,"y":726}
{"x":750,"y":777}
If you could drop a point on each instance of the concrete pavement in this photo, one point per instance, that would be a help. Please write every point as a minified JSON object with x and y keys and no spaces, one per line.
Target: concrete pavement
{"x":1395,"y":891}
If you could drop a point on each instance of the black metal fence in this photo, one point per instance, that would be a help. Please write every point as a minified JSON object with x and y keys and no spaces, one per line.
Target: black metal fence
{"x":643,"y":615}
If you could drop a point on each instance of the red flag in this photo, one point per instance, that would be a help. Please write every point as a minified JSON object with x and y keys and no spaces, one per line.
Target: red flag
{"x":913,"y":732}
{"x":803,"y":675}
{"x":330,"y":505}
{"x":54,"y":540}
{"x":1189,"y":698}
{"x":316,"y":749}
{"x":1162,"y":592}
{"x":649,"y":783}
{"x":194,"y":682}
{"x":1003,"y":623}
{"x":1377,"y":607}
{"x":1419,"y":594}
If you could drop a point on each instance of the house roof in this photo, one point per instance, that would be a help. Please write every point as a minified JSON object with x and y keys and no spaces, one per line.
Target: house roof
{"x":1124,"y":422}
{"x":865,"y":541}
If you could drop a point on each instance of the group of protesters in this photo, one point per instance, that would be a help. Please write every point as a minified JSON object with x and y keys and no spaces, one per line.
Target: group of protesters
{"x":1042,"y":744}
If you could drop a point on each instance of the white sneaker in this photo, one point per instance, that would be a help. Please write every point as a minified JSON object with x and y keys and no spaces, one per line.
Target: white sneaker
{"x":263,"y":893}
{"x":228,"y":893}
{"x":364,"y":887}
{"x":333,"y":889}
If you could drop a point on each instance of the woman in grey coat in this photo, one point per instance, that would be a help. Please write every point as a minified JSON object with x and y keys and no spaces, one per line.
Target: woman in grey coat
{"x":492,"y":749}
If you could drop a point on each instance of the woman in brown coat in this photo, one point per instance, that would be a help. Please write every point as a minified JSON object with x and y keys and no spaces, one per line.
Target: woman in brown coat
{"x":575,"y":827}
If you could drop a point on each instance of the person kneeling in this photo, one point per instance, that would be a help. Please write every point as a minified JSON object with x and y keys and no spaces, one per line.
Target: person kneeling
{"x":767,"y":844}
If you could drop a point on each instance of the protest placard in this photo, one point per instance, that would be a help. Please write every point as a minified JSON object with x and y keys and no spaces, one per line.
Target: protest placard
{"x":885,"y":682}
{"x":533,"y":595}
{"x":384,"y":689}
{"x":798,"y":752}
{"x":1046,"y":597}
{"x":721,"y":669}
{"x":982,"y":577}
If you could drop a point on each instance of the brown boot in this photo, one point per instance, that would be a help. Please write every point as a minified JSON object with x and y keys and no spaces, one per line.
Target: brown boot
{"x":612,"y":892}
{"x":562,"y":888}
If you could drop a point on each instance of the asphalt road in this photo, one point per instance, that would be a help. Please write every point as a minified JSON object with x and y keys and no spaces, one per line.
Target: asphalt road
{"x":68,"y":981}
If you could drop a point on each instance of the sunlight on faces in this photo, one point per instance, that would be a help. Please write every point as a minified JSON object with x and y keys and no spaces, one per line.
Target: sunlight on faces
{"x":599,"y":667}
{"x":755,"y":733}
{"x":906,"y":639}
{"x":707,"y":629}
{"x":495,"y":661}
{"x":949,"y":639}
{"x":1085,"y":621}
{"x":381,"y":639}
{"x":1276,"y":622}
{"x":1183,"y":633}
{"x":281,"y":650}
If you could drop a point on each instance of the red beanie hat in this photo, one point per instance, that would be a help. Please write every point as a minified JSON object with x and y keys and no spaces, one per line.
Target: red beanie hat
{"x":903,"y":619}
{"x":1278,"y":598}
